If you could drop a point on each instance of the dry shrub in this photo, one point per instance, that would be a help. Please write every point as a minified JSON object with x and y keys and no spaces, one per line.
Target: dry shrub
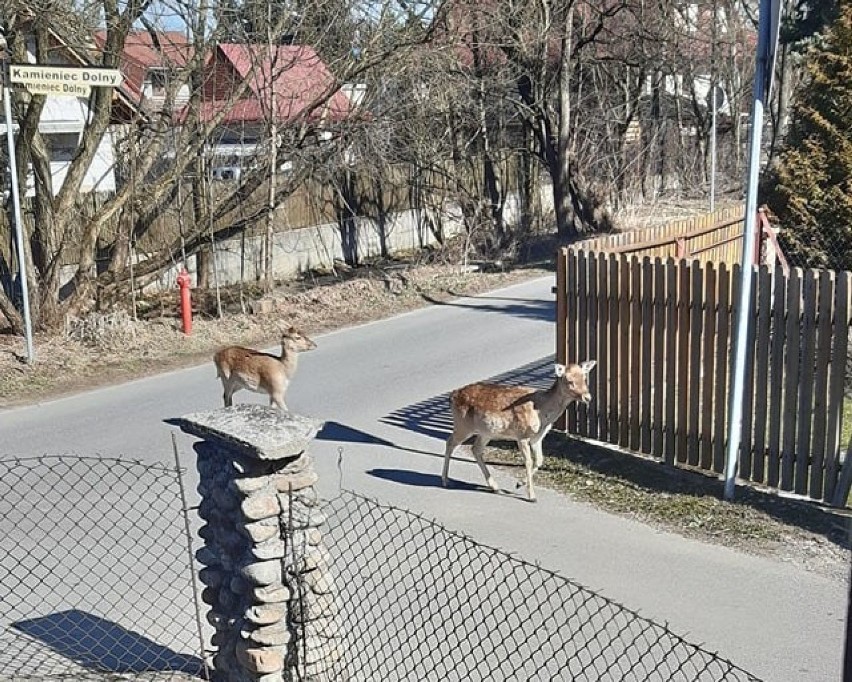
{"x":103,"y":331}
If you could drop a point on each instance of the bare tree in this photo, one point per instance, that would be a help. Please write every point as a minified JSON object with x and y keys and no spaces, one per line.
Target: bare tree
{"x":78,"y":249}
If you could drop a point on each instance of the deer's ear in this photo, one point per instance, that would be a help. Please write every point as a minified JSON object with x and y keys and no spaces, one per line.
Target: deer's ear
{"x":560,"y":370}
{"x":588,"y":366}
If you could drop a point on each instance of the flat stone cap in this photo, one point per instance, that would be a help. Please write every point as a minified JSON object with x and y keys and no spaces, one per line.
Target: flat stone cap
{"x":256,"y":431}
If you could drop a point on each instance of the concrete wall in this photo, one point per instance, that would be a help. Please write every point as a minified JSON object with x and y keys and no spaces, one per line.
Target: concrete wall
{"x":319,"y":246}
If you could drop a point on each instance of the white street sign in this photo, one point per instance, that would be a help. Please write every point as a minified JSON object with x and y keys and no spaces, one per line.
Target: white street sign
{"x":63,"y":81}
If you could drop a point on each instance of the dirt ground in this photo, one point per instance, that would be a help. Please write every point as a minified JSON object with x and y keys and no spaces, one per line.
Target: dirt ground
{"x":115,"y":347}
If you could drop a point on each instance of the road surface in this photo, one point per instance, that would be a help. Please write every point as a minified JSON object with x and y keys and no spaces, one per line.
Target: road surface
{"x":381,"y":386}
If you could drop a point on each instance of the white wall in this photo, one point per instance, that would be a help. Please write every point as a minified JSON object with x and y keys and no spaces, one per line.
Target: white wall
{"x":297,"y":251}
{"x":316,"y":247}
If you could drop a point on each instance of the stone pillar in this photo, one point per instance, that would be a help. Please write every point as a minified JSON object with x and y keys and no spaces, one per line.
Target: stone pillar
{"x":267,"y":576}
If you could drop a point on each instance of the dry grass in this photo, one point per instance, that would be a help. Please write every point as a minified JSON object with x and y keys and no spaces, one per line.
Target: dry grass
{"x":691,"y":504}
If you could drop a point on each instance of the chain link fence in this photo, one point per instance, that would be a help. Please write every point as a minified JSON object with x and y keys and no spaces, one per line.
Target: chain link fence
{"x":420,"y":602}
{"x":95,"y":575}
{"x":96,"y":584}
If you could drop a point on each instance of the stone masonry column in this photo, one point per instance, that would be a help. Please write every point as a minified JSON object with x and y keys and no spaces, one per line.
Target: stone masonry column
{"x":268,"y":583}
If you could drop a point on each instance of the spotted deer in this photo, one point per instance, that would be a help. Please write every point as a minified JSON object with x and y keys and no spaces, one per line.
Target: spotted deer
{"x":260,"y":372}
{"x":519,"y":413}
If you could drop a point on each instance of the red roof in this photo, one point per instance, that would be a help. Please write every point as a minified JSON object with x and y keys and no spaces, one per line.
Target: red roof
{"x":295,"y":74}
{"x":143,"y":51}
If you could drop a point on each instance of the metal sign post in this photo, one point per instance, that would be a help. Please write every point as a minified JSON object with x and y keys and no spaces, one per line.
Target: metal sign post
{"x":54,"y":81}
{"x":770,"y":12}
{"x":16,"y":197}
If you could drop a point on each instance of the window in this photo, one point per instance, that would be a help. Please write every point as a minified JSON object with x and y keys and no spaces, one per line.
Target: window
{"x":157,"y":78}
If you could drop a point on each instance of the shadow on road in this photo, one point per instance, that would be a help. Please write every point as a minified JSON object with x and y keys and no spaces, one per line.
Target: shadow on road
{"x":422,"y":480}
{"x":340,"y":433}
{"x":533,"y":309}
{"x":431,"y":417}
{"x":98,"y":644}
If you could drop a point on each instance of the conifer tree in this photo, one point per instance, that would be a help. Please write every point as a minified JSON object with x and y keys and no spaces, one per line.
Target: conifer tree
{"x":809,"y":190}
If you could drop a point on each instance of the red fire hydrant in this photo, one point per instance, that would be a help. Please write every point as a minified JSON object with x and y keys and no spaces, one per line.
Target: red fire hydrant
{"x":183,"y":281}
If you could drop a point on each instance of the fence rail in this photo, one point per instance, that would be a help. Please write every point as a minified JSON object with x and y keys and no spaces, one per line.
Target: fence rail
{"x":662,"y":332}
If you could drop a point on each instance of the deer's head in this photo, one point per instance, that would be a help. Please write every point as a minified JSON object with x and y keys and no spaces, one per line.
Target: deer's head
{"x":575,"y":378}
{"x":294,"y":340}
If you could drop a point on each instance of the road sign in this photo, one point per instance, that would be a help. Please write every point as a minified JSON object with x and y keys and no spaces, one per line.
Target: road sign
{"x":63,"y":81}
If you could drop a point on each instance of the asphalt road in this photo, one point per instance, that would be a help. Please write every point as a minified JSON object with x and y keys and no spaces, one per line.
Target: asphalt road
{"x":380,"y":388}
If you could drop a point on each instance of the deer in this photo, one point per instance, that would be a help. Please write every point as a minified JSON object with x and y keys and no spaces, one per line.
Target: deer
{"x":260,"y":372}
{"x":491,"y":411}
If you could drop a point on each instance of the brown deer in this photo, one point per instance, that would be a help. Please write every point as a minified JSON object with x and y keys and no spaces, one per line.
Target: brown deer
{"x":260,"y":372}
{"x":519,"y":413}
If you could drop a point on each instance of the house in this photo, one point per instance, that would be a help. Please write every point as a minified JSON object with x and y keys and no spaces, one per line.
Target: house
{"x":245,"y":89}
{"x":63,"y":120}
{"x":148,"y":62}
{"x":248,"y":88}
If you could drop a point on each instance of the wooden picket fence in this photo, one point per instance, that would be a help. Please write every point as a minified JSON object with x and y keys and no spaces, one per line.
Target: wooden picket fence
{"x":661,"y":331}
{"x":713,"y":237}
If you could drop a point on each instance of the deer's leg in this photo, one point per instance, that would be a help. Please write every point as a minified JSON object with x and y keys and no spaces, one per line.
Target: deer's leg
{"x":538,"y":455}
{"x":228,"y":395}
{"x":536,"y":444}
{"x":528,"y":462}
{"x":456,"y":437}
{"x":479,"y":453}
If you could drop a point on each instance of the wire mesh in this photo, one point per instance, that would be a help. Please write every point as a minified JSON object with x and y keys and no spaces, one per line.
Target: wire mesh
{"x":95,"y":584}
{"x":421,"y":602}
{"x":95,"y":579}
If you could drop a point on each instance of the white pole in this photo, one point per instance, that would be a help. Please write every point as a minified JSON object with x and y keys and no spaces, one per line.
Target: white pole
{"x":16,"y":200}
{"x":762,"y":82}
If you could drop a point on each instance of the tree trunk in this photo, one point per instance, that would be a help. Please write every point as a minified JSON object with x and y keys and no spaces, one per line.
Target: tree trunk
{"x":561,"y":160}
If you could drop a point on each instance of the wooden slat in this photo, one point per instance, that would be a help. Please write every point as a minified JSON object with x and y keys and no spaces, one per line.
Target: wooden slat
{"x":592,"y":350}
{"x":709,"y":367}
{"x":671,"y":361}
{"x":671,"y":234}
{"x":806,"y":382}
{"x":844,"y":484}
{"x":746,"y":432}
{"x":659,"y":350}
{"x":761,"y":371}
{"x":791,"y":378}
{"x":647,"y":357}
{"x":602,"y":368}
{"x":695,"y":337}
{"x":776,"y":378}
{"x":625,"y":359}
{"x":825,"y":311}
{"x":571,"y":336}
{"x":836,"y":397}
{"x":580,"y":351}
{"x":561,"y":318}
{"x":614,"y":344}
{"x":723,"y":326}
{"x":636,"y":333}
{"x":683,"y":387}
